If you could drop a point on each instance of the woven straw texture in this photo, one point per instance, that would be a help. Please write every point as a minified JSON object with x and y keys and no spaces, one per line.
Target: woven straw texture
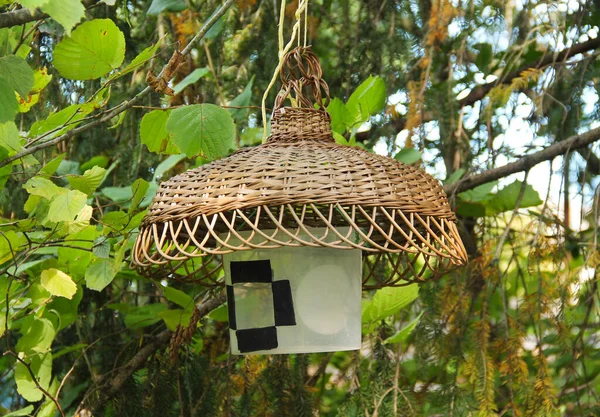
{"x":301,"y":181}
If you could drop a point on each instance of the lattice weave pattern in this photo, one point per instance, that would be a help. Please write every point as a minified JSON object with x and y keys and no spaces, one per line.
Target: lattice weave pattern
{"x":301,"y":182}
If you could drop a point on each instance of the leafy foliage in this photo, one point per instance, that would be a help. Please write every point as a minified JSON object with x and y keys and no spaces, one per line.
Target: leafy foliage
{"x":94,"y":49}
{"x":84,"y":143}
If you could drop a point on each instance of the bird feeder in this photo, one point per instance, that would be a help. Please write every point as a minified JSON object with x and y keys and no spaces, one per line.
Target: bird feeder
{"x":296,"y":227}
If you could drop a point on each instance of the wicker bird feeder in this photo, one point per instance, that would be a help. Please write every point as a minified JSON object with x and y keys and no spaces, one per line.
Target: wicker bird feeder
{"x":299,"y":190}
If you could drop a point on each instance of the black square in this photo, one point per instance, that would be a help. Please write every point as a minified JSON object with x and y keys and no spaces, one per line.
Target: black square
{"x":262,"y":338}
{"x":251,"y":271}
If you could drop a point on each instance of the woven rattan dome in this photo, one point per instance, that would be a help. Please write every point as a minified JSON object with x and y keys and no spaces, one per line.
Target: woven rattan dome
{"x":301,"y":182}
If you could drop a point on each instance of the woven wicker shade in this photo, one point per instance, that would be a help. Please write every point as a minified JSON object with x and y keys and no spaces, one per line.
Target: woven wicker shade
{"x":301,"y":182}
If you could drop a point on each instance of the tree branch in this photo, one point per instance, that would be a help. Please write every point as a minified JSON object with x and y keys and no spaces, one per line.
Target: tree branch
{"x":19,"y":17}
{"x":109,"y":114}
{"x":523,"y":164}
{"x":111,"y":384}
{"x":22,"y":16}
{"x":481,"y":91}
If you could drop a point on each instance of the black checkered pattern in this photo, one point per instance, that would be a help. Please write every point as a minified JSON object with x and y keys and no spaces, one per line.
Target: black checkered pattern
{"x":260,"y":338}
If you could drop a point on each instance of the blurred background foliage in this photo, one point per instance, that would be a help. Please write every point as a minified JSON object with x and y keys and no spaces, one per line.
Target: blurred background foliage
{"x":455,"y":86}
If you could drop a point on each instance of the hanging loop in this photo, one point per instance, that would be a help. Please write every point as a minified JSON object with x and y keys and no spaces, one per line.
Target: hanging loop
{"x":301,"y":74}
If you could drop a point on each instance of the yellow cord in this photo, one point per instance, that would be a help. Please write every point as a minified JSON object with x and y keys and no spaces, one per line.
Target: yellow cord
{"x":305,"y":23}
{"x":280,"y":29}
{"x":296,"y":31}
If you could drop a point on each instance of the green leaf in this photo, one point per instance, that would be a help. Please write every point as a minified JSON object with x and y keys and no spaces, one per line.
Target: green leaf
{"x":478,"y":194}
{"x":22,"y":412}
{"x":140,"y":59}
{"x":71,"y":115}
{"x":89,"y":181}
{"x":251,"y":136}
{"x":10,"y":241}
{"x":408,"y":156}
{"x":41,"y":365}
{"x":76,"y":255}
{"x":144,"y":316}
{"x":24,"y":266}
{"x":202,"y":128}
{"x":101,"y":161}
{"x":178,"y":297}
{"x":3,"y":323}
{"x":115,"y":220}
{"x":341,"y":118}
{"x":240,"y":101}
{"x":388,"y":301}
{"x":191,"y":79}
{"x":175,"y":318}
{"x":66,"y":12}
{"x":43,"y":187}
{"x":48,"y":408}
{"x":81,"y":221}
{"x":139,"y":189}
{"x":9,"y":138}
{"x":17,"y":73}
{"x":120,"y":249}
{"x":33,"y":4}
{"x":403,"y":334}
{"x":367,"y":100}
{"x":8,"y":102}
{"x":38,"y":335}
{"x":166,"y":165}
{"x":159,"y":6}
{"x":153,"y":132}
{"x":99,"y":274}
{"x":484,"y":57}
{"x":456,"y":175}
{"x":117,"y":194}
{"x":506,"y":198}
{"x":94,"y":49}
{"x":52,"y":165}
{"x":68,"y":167}
{"x":220,"y":314}
{"x":41,"y":79}
{"x":66,"y":309}
{"x":468,"y":209}
{"x":58,"y":283}
{"x":216,"y":29}
{"x":66,"y":206}
{"x":69,"y":349}
{"x":101,"y":247}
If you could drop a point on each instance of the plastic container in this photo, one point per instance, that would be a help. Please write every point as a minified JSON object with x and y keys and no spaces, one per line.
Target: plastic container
{"x":294,"y":300}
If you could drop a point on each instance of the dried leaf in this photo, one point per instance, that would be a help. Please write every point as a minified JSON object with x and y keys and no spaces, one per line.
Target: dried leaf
{"x":174,"y":63}
{"x":161,"y":85}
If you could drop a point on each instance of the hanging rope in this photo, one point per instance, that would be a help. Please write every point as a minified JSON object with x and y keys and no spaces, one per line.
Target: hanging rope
{"x":283,"y":50}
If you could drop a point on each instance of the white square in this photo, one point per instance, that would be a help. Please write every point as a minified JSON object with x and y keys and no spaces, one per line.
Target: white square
{"x":253,"y":305}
